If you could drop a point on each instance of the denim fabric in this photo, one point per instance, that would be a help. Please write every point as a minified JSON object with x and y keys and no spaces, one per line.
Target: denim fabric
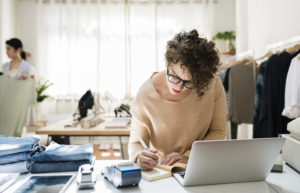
{"x":12,"y":145}
{"x":58,"y":166}
{"x":16,"y":157}
{"x":18,"y":167}
{"x":61,"y":153}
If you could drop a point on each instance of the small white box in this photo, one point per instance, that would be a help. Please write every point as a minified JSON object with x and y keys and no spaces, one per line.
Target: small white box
{"x":291,"y":152}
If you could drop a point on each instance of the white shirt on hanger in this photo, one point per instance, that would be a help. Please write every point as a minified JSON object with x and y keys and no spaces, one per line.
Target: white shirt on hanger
{"x":292,"y":90}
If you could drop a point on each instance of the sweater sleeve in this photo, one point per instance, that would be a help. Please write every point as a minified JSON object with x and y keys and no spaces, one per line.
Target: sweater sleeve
{"x":217,"y":126}
{"x":138,"y":128}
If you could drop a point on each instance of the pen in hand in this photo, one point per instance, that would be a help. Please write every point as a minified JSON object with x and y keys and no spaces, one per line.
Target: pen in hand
{"x":144,"y":161}
{"x":143,"y":143}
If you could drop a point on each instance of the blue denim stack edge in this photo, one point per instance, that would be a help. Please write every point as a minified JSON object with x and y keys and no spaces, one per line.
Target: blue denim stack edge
{"x":16,"y":153}
{"x":62,"y":158}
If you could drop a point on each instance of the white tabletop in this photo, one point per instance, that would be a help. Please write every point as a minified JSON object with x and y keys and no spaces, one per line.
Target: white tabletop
{"x":286,"y":182}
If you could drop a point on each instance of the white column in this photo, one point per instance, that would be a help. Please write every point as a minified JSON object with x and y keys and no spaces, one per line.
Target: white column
{"x":241,"y":9}
{"x":7,"y":25}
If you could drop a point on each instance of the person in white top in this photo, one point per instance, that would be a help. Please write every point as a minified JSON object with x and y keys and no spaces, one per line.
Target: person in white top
{"x":18,"y":68}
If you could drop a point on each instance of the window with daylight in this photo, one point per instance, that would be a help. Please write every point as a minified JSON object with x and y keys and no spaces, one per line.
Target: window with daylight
{"x":110,"y":45}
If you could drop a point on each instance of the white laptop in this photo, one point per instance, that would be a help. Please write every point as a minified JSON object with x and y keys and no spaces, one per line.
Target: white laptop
{"x":230,"y":161}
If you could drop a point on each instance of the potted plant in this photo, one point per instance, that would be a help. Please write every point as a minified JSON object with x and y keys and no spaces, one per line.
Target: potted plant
{"x":42,"y":86}
{"x":229,"y":37}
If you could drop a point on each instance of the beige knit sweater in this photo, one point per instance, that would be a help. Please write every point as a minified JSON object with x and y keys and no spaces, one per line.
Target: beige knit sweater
{"x":170,"y":126}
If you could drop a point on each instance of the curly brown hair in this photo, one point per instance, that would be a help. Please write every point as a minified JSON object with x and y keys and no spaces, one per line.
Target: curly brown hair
{"x":197,"y":54}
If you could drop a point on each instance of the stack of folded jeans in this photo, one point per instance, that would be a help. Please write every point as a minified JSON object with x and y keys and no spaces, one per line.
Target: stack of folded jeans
{"x":16,"y":153}
{"x":62,"y":158}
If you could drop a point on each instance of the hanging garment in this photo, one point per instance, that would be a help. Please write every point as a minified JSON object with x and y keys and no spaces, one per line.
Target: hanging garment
{"x":270,"y":121}
{"x":292,"y":90}
{"x":224,"y":76}
{"x":241,"y":93}
{"x":16,"y":96}
{"x":258,"y":94}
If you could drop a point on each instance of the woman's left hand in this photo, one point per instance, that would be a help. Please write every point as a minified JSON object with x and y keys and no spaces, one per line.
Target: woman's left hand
{"x":172,"y":158}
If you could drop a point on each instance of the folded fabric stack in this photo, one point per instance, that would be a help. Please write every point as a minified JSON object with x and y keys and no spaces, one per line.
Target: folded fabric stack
{"x":62,"y":158}
{"x":291,"y":148}
{"x":16,"y":153}
{"x":294,"y":128}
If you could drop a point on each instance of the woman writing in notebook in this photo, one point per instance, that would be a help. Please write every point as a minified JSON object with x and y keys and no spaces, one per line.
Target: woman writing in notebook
{"x":182,"y":104}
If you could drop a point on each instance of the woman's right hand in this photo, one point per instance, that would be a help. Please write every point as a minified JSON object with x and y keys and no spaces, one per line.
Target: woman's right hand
{"x":147,"y":160}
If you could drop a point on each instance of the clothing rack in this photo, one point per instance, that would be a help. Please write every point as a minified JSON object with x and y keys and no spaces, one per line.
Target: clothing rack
{"x":249,"y":54}
{"x":238,"y":58}
{"x":243,"y":55}
{"x":278,"y":46}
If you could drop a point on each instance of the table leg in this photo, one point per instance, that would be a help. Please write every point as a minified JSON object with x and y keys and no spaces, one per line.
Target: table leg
{"x":48,"y":140}
{"x":121,"y":145}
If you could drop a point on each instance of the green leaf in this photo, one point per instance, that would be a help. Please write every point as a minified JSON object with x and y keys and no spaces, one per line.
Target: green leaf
{"x":43,"y":86}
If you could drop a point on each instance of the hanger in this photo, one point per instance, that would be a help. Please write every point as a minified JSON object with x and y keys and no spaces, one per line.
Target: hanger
{"x":293,"y":49}
{"x":235,"y":62}
{"x":267,"y":55}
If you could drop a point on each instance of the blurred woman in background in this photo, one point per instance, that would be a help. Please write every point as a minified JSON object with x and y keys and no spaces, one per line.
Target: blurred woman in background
{"x":18,"y":68}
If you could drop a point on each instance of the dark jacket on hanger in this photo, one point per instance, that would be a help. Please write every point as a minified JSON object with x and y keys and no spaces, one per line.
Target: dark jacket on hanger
{"x":258,"y":94}
{"x":270,"y":122}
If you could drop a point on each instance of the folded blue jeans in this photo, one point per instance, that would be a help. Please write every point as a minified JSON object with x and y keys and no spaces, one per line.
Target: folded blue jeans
{"x":58,"y":166}
{"x":62,"y":153}
{"x":18,"y":167}
{"x":11,"y":145}
{"x":16,"y":157}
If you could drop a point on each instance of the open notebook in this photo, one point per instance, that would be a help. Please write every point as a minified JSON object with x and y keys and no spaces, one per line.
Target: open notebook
{"x":162,"y":171}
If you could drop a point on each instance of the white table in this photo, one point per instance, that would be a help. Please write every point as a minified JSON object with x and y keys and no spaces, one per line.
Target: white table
{"x":286,"y":182}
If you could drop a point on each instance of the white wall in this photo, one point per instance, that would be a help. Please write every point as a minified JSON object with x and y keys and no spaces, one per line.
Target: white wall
{"x":7,"y":25}
{"x":26,"y":26}
{"x":224,"y":19}
{"x":241,"y":26}
{"x":268,"y":21}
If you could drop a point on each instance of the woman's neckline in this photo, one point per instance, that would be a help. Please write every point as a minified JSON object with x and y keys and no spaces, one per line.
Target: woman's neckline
{"x":20,"y":64}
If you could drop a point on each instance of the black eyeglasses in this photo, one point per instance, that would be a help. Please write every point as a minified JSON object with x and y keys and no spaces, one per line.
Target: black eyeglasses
{"x":176,"y":80}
